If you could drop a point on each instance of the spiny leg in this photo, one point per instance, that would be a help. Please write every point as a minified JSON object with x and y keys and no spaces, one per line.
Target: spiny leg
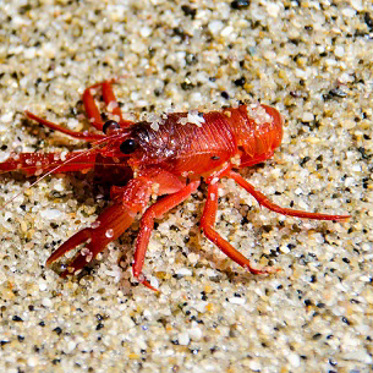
{"x":155,"y":211}
{"x":207,"y":225}
{"x":264,"y":201}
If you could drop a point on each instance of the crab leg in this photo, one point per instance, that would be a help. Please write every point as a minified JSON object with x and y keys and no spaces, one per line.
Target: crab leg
{"x":147,"y":224}
{"x":211,"y":206}
{"x":207,"y":225}
{"x":264,"y":201}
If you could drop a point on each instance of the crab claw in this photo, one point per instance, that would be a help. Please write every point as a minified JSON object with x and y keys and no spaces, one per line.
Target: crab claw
{"x":108,"y":227}
{"x":70,"y":244}
{"x":84,"y":257}
{"x":78,"y":263}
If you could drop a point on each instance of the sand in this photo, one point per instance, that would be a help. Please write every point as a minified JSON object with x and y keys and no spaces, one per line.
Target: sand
{"x":313,"y":62}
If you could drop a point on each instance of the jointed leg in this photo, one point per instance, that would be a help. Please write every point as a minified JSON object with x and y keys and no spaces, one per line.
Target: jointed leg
{"x":264,"y":201}
{"x":147,"y":223}
{"x":207,"y":224}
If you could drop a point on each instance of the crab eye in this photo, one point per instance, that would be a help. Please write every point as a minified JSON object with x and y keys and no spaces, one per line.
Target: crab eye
{"x":110,"y":125}
{"x":128,"y":146}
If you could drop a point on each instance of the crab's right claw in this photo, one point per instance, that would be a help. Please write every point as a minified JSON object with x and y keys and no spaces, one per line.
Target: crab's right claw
{"x":70,"y":244}
{"x":108,"y":227}
{"x":84,"y":257}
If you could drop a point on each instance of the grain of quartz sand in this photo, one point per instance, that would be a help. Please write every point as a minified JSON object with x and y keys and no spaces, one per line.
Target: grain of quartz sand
{"x":312,"y":61}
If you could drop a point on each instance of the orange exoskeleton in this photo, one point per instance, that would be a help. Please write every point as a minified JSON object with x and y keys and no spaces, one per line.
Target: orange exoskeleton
{"x":166,"y":157}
